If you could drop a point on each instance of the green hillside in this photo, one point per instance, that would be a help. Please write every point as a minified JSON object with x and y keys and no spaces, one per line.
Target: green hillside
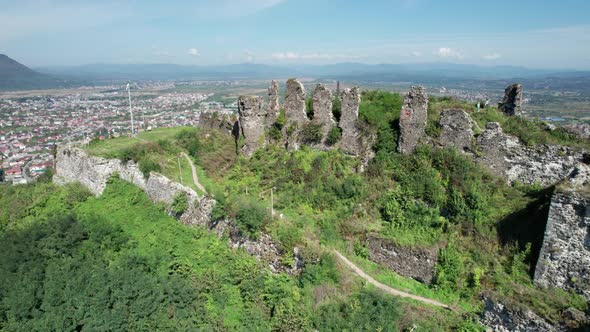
{"x":119,"y":262}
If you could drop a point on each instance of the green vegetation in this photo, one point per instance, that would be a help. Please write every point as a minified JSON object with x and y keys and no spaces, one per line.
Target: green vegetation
{"x":61,"y":243}
{"x":312,"y":133}
{"x":334,"y":135}
{"x":179,"y":204}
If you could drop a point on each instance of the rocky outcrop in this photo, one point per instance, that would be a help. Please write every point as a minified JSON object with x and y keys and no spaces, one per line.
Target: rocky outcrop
{"x":412,"y":262}
{"x":500,"y":318}
{"x":252,"y":123}
{"x":351,"y":141}
{"x":456,"y":130}
{"x":507,"y":157}
{"x":322,"y":109}
{"x":511,"y":104}
{"x":412,"y":121}
{"x":564,"y":259}
{"x":273,"y":104}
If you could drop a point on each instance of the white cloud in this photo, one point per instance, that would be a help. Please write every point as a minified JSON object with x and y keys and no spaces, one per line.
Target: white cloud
{"x":249,"y":56}
{"x":493,"y":56}
{"x":194,"y":52}
{"x":285,"y":56}
{"x":447,"y":52}
{"x":416,"y":54}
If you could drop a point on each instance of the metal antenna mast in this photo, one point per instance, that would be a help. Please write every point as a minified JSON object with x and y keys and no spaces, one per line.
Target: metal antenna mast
{"x":130,"y":110}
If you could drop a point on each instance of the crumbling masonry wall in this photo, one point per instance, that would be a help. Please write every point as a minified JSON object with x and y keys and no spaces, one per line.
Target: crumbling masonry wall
{"x":353,"y":140}
{"x":564,"y":259}
{"x":412,"y":119}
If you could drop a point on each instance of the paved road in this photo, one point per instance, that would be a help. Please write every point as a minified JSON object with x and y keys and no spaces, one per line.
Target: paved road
{"x":385,"y":288}
{"x":195,"y":176}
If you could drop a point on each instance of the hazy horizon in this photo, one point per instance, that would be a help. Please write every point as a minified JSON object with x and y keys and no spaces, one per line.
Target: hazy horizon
{"x":551,"y":35}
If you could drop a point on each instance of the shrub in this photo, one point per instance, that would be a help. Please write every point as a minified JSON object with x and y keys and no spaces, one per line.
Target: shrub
{"x":250,"y":216}
{"x":189,"y":139}
{"x":448,"y":268}
{"x":336,"y":108}
{"x":275,"y":132}
{"x":179,"y":203}
{"x":147,"y":165}
{"x":309,"y":107}
{"x":334,"y":135}
{"x":312,"y":133}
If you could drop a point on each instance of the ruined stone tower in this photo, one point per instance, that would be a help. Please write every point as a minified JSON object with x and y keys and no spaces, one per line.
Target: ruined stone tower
{"x":511,"y":104}
{"x":251,"y":119}
{"x":412,"y":119}
{"x":322,"y":109}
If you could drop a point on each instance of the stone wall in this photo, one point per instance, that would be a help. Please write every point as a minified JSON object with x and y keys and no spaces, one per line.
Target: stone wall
{"x":564,"y":259}
{"x":353,"y":141}
{"x":411,"y":262}
{"x":74,"y":165}
{"x":412,"y":120}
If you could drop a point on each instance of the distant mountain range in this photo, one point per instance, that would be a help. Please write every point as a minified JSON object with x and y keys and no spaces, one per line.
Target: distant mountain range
{"x":353,"y":71}
{"x":15,"y":76}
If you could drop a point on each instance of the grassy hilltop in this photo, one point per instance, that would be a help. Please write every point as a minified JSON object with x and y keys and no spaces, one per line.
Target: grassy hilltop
{"x":75,"y":261}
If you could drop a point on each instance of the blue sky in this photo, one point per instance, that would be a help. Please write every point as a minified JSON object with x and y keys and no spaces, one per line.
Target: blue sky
{"x":537,"y":34}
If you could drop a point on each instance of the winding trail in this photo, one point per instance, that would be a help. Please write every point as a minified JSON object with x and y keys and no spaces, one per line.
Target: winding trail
{"x":194,"y":171}
{"x":386,"y":288}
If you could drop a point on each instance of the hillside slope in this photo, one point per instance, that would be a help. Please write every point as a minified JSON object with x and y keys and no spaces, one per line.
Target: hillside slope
{"x":16,"y":76}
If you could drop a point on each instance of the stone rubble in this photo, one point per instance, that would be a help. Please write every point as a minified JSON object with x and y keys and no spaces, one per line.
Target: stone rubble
{"x":498,"y":317}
